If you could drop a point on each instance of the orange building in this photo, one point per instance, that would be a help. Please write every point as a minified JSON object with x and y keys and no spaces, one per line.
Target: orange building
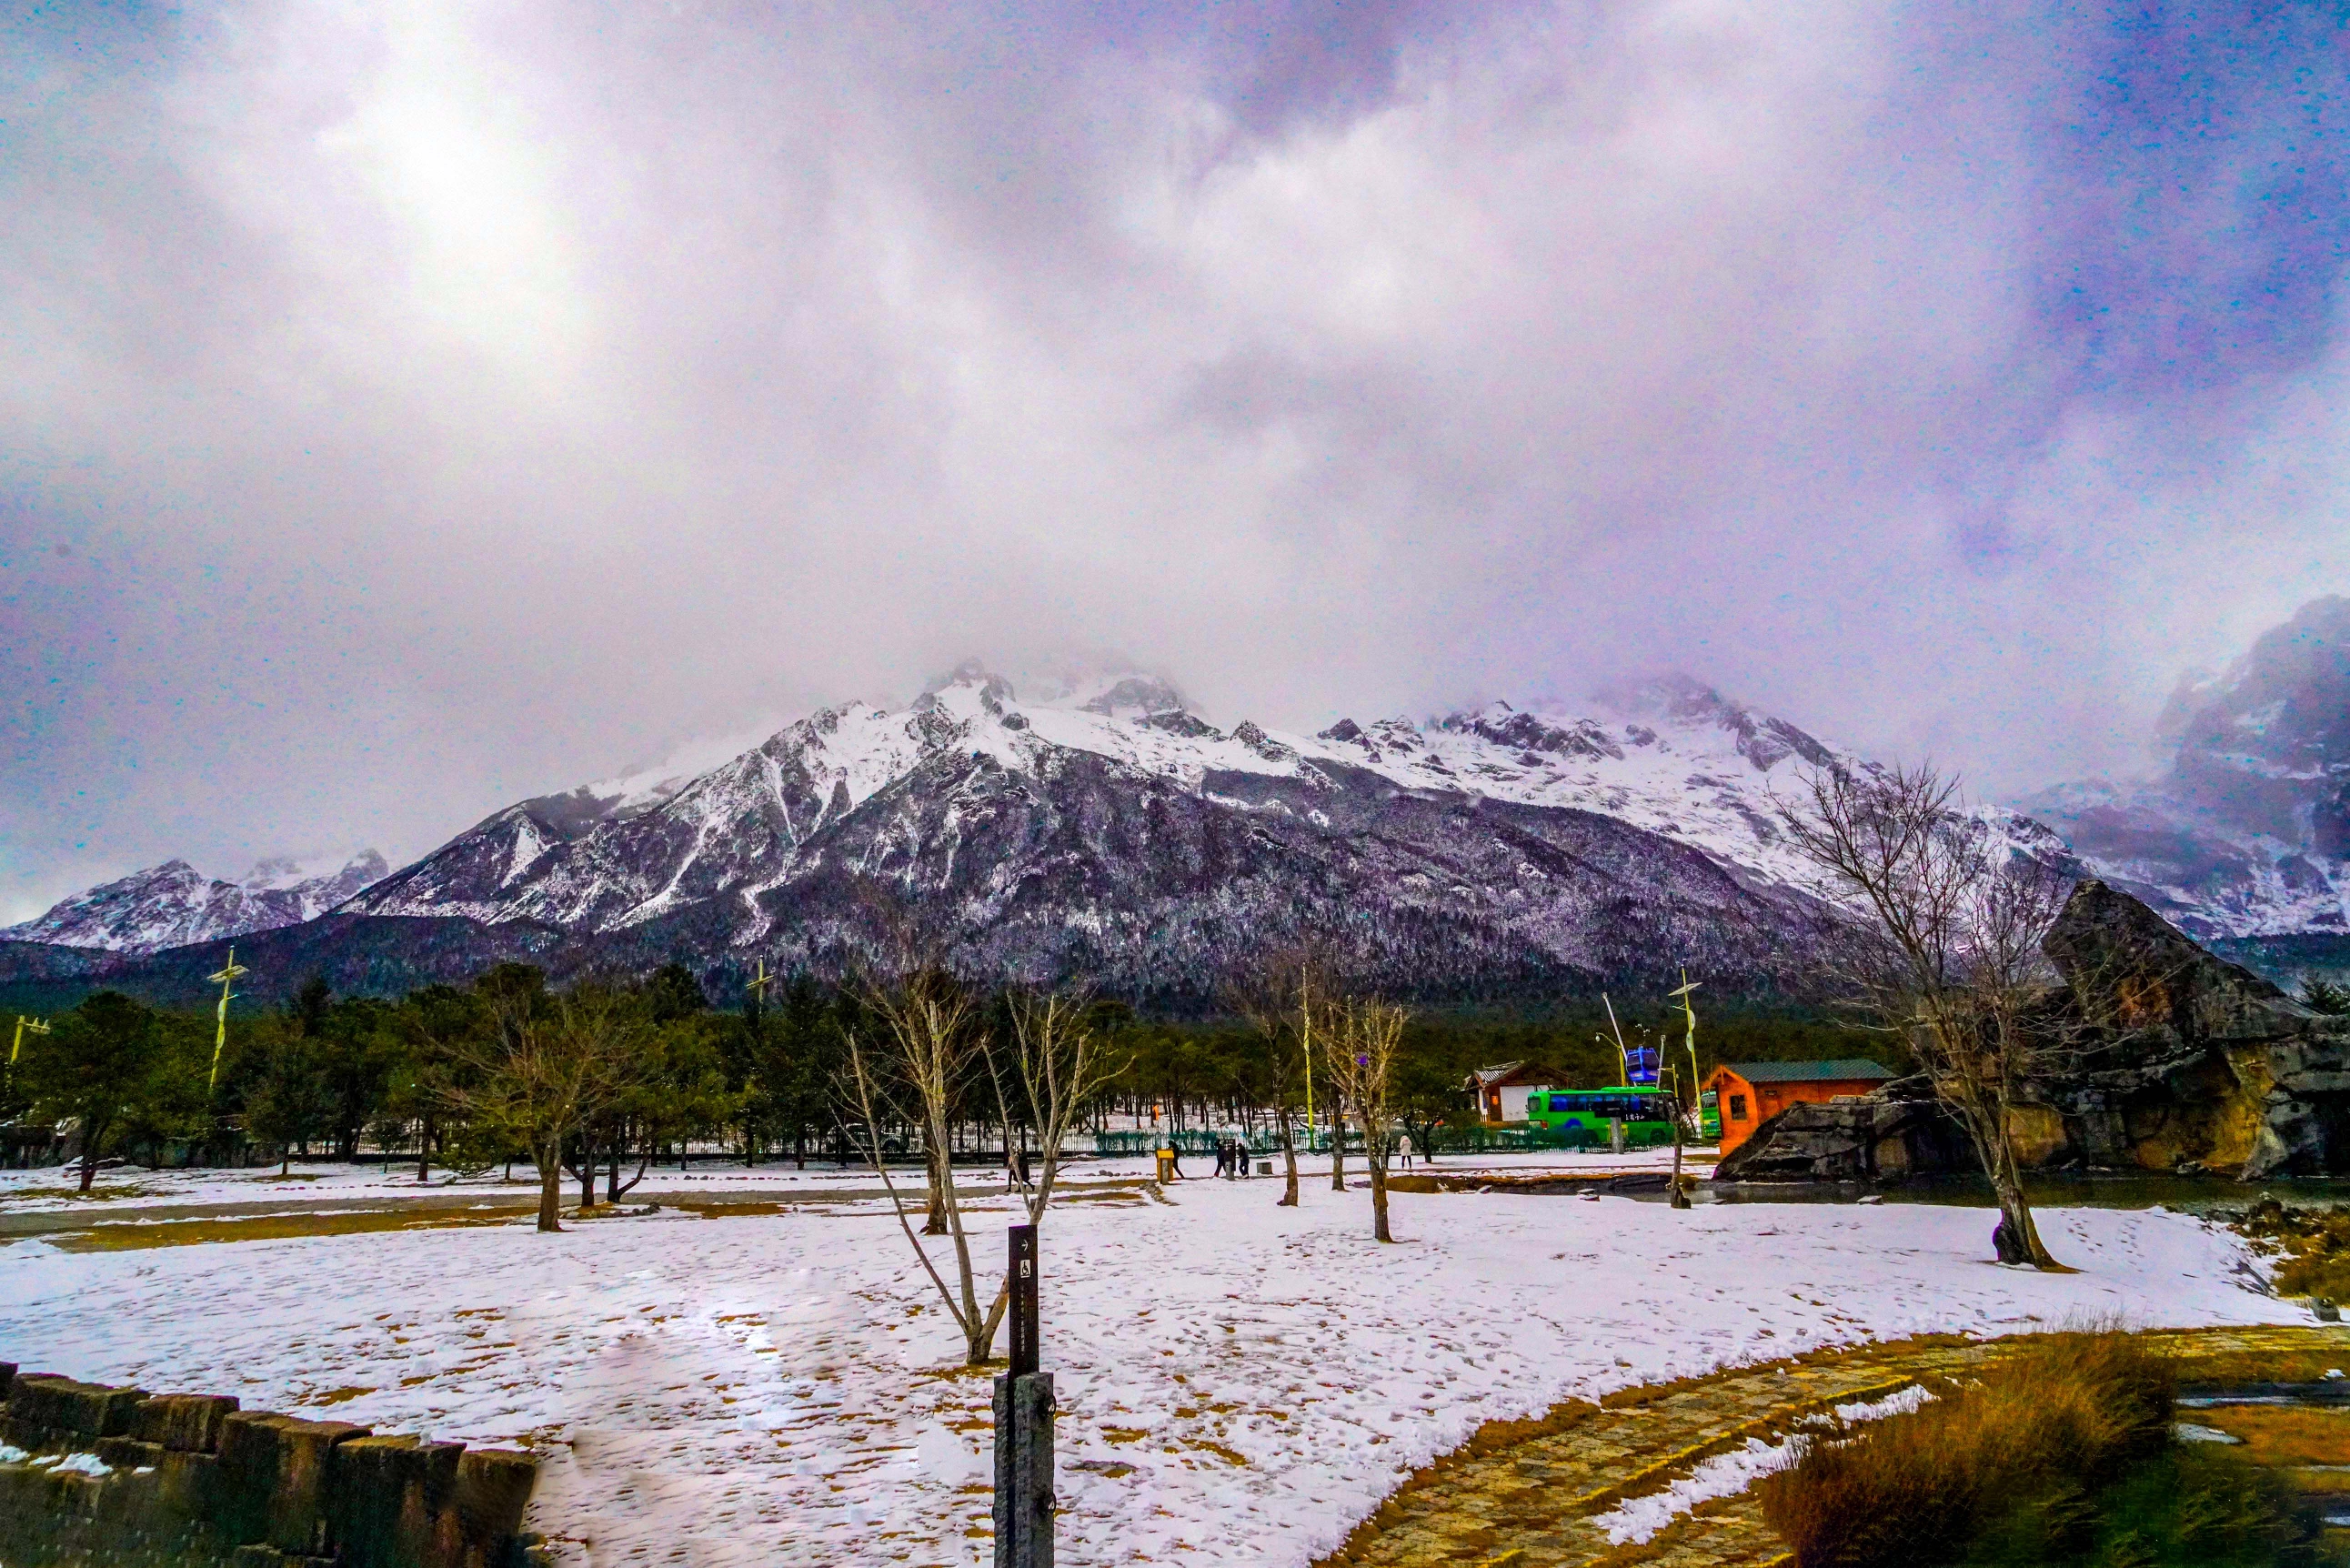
{"x":1751,"y":1092}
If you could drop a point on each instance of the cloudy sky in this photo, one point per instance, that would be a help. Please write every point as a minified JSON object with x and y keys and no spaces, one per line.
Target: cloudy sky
{"x":405,"y":408}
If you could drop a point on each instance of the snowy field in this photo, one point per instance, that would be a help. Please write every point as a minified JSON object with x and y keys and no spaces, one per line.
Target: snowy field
{"x":52,"y":1189}
{"x":1240,"y":1384}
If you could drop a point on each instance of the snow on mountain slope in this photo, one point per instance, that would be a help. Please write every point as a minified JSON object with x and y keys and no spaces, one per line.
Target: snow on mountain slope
{"x":1670,"y":756}
{"x":175,"y":904}
{"x":2246,"y":833}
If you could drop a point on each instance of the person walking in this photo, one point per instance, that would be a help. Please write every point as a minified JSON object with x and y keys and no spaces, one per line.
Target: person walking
{"x":1403,"y":1150}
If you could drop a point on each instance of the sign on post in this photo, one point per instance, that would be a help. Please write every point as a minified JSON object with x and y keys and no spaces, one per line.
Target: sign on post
{"x":1023,"y":1425}
{"x":1024,"y":1299}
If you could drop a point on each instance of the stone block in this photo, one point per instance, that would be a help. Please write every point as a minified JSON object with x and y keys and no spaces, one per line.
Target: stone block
{"x":129,"y":1453}
{"x":494,"y":1487}
{"x":391,"y":1503}
{"x":272,"y":1478}
{"x":68,"y":1412}
{"x":184,"y":1423}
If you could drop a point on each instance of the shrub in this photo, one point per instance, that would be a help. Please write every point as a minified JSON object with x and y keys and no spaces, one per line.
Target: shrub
{"x":2068,"y":1412}
{"x":2199,"y":1505}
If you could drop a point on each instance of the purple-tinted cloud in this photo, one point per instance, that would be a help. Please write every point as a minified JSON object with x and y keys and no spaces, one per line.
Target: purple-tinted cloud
{"x":442,"y":404}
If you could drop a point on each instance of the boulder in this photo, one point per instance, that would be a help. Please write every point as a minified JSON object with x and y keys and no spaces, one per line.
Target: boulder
{"x":2171,"y":1058}
{"x":1900,"y":1130}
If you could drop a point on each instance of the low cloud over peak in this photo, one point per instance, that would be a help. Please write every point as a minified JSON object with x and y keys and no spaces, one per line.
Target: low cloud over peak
{"x":412,"y":411}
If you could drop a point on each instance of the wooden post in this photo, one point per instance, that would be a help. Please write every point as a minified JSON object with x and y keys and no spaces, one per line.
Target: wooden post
{"x":1024,"y":1426}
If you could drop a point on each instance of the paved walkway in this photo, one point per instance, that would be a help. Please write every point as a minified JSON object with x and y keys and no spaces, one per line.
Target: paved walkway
{"x":1527,"y":1495}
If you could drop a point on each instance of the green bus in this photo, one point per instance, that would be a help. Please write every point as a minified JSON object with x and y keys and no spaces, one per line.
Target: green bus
{"x":1643,"y":1108}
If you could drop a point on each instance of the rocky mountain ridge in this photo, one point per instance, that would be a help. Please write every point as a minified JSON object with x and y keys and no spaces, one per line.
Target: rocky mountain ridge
{"x":1091,"y":820}
{"x":175,"y":905}
{"x":2245,"y":832}
{"x":1094,"y":822}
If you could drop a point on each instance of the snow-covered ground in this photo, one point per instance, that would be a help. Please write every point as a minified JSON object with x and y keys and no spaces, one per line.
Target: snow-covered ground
{"x":52,"y":1189}
{"x":1239,"y":1383}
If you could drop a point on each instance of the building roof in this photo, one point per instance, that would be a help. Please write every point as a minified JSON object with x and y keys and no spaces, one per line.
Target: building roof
{"x":1844,"y":1070}
{"x":1490,"y":1077}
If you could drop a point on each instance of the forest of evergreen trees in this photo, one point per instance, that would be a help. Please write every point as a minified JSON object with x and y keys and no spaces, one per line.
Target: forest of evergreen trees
{"x":422,"y":1079}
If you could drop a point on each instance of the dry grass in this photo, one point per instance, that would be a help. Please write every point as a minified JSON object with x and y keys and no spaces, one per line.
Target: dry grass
{"x":134,"y":1235}
{"x":2313,"y":1245}
{"x":2072,"y":1410}
{"x":2281,"y":1435}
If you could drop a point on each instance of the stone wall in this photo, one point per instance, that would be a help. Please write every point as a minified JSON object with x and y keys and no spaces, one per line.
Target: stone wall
{"x":190,"y":1480}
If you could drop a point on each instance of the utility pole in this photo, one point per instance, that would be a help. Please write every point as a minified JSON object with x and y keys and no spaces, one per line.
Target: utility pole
{"x":1690,"y":1012}
{"x":1679,"y":1200}
{"x":1623,"y":1057}
{"x":227,"y":977}
{"x":1024,"y":1425}
{"x":26,"y":1026}
{"x":1306,"y":1034}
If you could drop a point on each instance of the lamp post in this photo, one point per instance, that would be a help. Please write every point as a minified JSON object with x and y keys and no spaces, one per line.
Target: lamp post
{"x":227,"y":977}
{"x":1623,"y":1057}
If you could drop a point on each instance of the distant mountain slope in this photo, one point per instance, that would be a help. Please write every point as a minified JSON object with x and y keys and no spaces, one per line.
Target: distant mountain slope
{"x":1094,"y":823}
{"x":2247,"y":832}
{"x":173,"y":904}
{"x":1672,"y":757}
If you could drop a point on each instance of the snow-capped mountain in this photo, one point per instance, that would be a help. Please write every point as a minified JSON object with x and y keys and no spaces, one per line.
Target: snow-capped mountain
{"x":173,"y":904}
{"x":2247,"y":832}
{"x":1093,"y":818}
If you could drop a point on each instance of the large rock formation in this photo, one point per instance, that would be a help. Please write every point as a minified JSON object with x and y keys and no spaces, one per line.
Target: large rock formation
{"x":2172,"y":1058}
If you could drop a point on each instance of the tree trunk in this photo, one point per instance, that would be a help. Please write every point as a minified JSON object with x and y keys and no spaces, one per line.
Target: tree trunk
{"x":934,"y":1221}
{"x":1337,"y":1146}
{"x":1375,"y":1154}
{"x":1289,"y":1163}
{"x":2016,"y":1239}
{"x":88,"y":1159}
{"x":643,"y":1161}
{"x":1679,"y":1199}
{"x":550,"y":1188}
{"x":424,"y":1152}
{"x":587,"y":1175}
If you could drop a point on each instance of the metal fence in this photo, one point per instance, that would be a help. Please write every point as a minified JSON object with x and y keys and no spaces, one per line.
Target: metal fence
{"x":1517,"y":1139}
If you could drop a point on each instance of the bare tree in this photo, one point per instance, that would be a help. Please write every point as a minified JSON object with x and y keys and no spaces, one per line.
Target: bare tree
{"x":1948,"y":955}
{"x":1059,"y":1063}
{"x":1367,"y":1036}
{"x":1276,"y":995}
{"x":910,"y":1066}
{"x":546,"y":1068}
